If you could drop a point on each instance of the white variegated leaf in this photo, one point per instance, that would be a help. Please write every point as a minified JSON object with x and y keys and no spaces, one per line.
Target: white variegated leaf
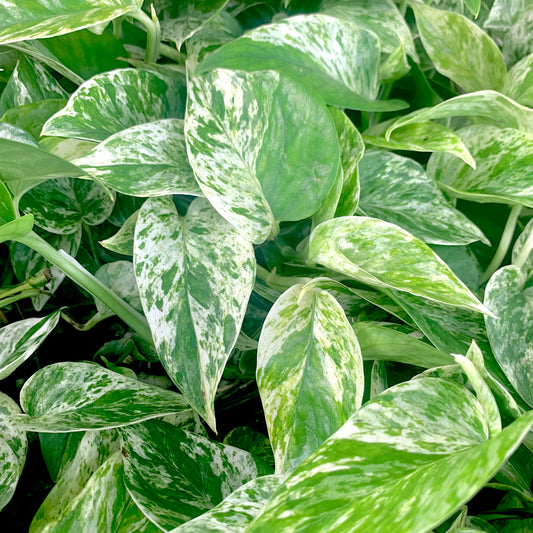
{"x":309,"y":372}
{"x":519,"y":82}
{"x":523,"y":246}
{"x":122,"y":241}
{"x":195,"y":275}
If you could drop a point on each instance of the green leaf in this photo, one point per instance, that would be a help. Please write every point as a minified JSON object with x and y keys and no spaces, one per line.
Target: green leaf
{"x":174,"y":475}
{"x":236,"y":511}
{"x":463,"y":262}
{"x":116,"y":100}
{"x":145,"y":160}
{"x":523,"y":246}
{"x":384,"y":343}
{"x":488,"y":106}
{"x":36,"y":19}
{"x":519,"y":82}
{"x":333,"y":57}
{"x":423,"y":442}
{"x":309,"y":372}
{"x":510,"y":332}
{"x":13,"y":447}
{"x":252,"y":441}
{"x":16,"y":228}
{"x":59,"y":451}
{"x":473,"y":6}
{"x":262,"y":147}
{"x":396,"y":189}
{"x":383,"y":255}
{"x":7,"y":209}
{"x":19,"y":340}
{"x":195,"y":275}
{"x":503,"y":173}
{"x":66,"y":397}
{"x":460,"y":49}
{"x":64,"y":206}
{"x":122,"y":241}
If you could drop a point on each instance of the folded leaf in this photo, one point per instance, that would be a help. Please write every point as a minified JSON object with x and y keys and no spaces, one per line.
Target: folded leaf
{"x":16,"y":228}
{"x":122,"y":241}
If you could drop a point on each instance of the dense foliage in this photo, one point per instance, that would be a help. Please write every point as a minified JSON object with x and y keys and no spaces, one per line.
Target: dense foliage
{"x":267,"y":266}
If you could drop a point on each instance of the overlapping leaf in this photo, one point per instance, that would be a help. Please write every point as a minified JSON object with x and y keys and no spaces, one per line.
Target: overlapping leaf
{"x":384,"y":255}
{"x":195,"y":275}
{"x":262,"y":147}
{"x":68,"y":397}
{"x":122,"y":241}
{"x":519,"y":82}
{"x":422,"y":442}
{"x":116,"y":100}
{"x":174,"y":475}
{"x":309,"y":372}
{"x":16,"y":228}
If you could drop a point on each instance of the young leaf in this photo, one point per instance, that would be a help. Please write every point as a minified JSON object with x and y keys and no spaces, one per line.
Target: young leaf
{"x":195,"y":275}
{"x":384,"y":255}
{"x":174,"y":475}
{"x":36,"y":19}
{"x":116,"y":100}
{"x":397,"y":190}
{"x":309,"y":372}
{"x":519,"y":82}
{"x":503,"y":172}
{"x":459,"y":49}
{"x":66,"y":397}
{"x":122,"y":241}
{"x":19,"y":340}
{"x":16,"y":228}
{"x":422,"y":442}
{"x":262,"y":147}
{"x":334,"y":57}
{"x":145,"y":160}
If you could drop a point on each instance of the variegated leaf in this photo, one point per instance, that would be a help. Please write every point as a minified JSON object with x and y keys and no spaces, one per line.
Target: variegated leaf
{"x":122,"y":241}
{"x":510,"y":332}
{"x":29,"y":83}
{"x":396,"y":189}
{"x":68,"y":397}
{"x":145,"y":160}
{"x":382,"y":343}
{"x":237,"y":510}
{"x":503,"y":173}
{"x":309,"y":372}
{"x":519,"y":82}
{"x":68,"y":149}
{"x":378,"y":379}
{"x":13,"y":447}
{"x":383,"y":255}
{"x":263,"y":148}
{"x":64,"y":206}
{"x":19,"y":340}
{"x":59,"y":450}
{"x":195,"y":275}
{"x":460,"y":49}
{"x":523,"y":246}
{"x":419,"y":445}
{"x":335,"y":58}
{"x":488,"y":106}
{"x":116,"y":100}
{"x":21,"y":20}
{"x":174,"y":475}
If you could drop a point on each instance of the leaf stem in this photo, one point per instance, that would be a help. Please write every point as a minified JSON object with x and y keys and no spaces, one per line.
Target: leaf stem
{"x":153,"y":31}
{"x":505,"y":242}
{"x":86,"y":280}
{"x":172,"y":53}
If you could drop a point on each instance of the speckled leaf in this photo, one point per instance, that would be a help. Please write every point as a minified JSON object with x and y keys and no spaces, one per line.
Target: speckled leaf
{"x":420,"y":445}
{"x":30,"y":82}
{"x":236,"y":511}
{"x":19,"y":340}
{"x":145,"y":160}
{"x":383,"y":255}
{"x":195,"y":275}
{"x":116,"y":100}
{"x":460,"y":49}
{"x":335,"y":58}
{"x":16,"y":228}
{"x":122,"y":241}
{"x":396,"y":189}
{"x":519,"y":82}
{"x":523,"y":246}
{"x":23,"y":164}
{"x":13,"y":447}
{"x":352,"y":148}
{"x":419,"y":137}
{"x":382,"y":343}
{"x":68,"y":397}
{"x":511,"y":333}
{"x":309,"y":372}
{"x":174,"y":475}
{"x":487,"y":106}
{"x":262,"y":147}
{"x":63,"y":206}
{"x":22,"y":20}
{"x":503,"y":172}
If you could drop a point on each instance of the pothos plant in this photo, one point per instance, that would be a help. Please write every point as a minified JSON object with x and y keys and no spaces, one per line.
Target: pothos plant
{"x":329,"y":201}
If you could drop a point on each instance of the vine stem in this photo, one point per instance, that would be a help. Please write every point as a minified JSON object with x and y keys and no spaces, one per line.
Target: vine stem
{"x":153,"y":33}
{"x":86,"y":280}
{"x":505,"y":242}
